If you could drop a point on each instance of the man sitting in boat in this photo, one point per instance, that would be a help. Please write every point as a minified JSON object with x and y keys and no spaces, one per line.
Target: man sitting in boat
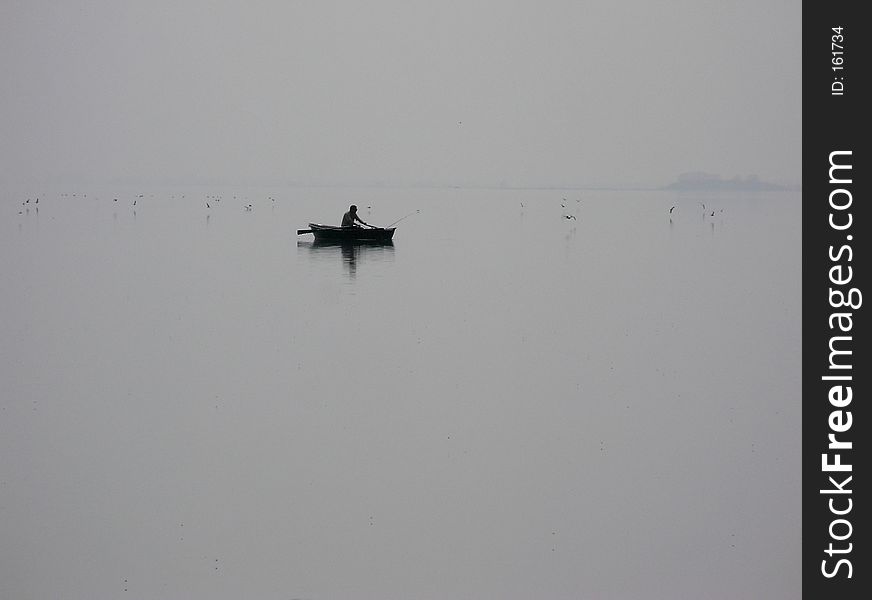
{"x":350,"y":217}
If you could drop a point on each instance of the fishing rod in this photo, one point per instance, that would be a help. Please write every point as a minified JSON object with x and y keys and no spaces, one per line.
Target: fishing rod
{"x":406,"y":217}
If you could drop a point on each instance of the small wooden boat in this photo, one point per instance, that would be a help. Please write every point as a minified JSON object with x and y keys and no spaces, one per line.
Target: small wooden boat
{"x":331,"y":233}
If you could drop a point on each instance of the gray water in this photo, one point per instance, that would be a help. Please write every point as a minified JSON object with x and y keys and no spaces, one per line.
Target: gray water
{"x":506,"y":403}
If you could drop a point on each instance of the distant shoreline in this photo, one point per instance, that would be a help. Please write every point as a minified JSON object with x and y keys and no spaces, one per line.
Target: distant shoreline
{"x":698,"y":181}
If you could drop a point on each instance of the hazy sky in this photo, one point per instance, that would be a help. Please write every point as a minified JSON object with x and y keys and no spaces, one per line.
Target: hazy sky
{"x":400,"y":91}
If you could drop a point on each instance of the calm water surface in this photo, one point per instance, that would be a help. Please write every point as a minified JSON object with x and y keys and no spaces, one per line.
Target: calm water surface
{"x":530,"y":394}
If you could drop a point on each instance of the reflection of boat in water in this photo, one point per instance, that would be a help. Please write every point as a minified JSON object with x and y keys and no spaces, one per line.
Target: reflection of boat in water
{"x":354,"y":235}
{"x":350,"y":252}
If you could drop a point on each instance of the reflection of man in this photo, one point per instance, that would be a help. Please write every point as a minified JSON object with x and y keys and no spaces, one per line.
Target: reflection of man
{"x":350,"y":217}
{"x":349,"y":257}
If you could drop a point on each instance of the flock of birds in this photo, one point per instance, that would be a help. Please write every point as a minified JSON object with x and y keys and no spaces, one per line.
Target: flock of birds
{"x":704,"y":209}
{"x":570,"y":216}
{"x":216,"y":199}
{"x":566,"y":215}
{"x":209,"y":199}
{"x":27,"y":208}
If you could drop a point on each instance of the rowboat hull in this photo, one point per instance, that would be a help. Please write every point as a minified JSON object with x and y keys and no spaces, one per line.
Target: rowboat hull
{"x":330,"y":233}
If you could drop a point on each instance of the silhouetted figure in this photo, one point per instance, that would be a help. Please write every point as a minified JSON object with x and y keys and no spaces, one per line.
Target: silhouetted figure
{"x":350,"y":217}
